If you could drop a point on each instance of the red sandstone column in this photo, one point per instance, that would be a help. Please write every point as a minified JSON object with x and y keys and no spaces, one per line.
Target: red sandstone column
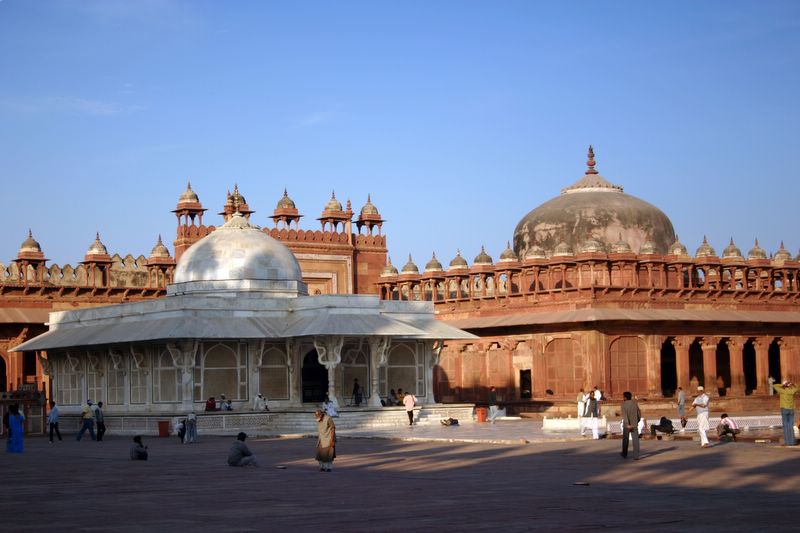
{"x":654,"y":370}
{"x":761,"y":345}
{"x":709,"y":347}
{"x":735,"y":346}
{"x":788,"y":358}
{"x":682,"y":362}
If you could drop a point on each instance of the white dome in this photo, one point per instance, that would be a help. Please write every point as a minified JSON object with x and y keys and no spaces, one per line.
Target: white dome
{"x":238,"y":256}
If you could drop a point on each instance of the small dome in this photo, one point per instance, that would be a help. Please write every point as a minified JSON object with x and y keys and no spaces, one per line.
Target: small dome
{"x":30,"y":245}
{"x":732,"y":252}
{"x":188,"y":196}
{"x":621,"y":246}
{"x":678,"y":249}
{"x":757,"y":252}
{"x":236,"y":198}
{"x":410,"y":267}
{"x":508,"y":255}
{"x":562,"y":249}
{"x":369,"y":208}
{"x":433,"y":265}
{"x":333,"y":204}
{"x":97,"y":247}
{"x":591,"y":246}
{"x":535,"y":252}
{"x":782,"y":255}
{"x":458,"y":261}
{"x":285,"y":202}
{"x":648,"y":248}
{"x":389,"y":270}
{"x":482,"y":258}
{"x":239,"y":256}
{"x":705,"y":249}
{"x":159,"y":250}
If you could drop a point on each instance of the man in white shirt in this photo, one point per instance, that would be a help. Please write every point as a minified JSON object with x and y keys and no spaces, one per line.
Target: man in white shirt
{"x":700,"y":405}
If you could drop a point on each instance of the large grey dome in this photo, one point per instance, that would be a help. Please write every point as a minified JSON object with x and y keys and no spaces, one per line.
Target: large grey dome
{"x":593,"y":208}
{"x":238,"y":256}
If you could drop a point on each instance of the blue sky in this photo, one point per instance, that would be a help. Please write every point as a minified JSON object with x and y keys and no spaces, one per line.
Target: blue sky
{"x":457,"y":117}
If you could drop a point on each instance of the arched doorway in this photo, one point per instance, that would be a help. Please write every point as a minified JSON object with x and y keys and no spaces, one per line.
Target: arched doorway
{"x":723,"y":356}
{"x":775,"y":361}
{"x":315,"y":379}
{"x":749,"y":363}
{"x":696,"y":370}
{"x":564,"y":367}
{"x":669,"y":371}
{"x":628,"y":366}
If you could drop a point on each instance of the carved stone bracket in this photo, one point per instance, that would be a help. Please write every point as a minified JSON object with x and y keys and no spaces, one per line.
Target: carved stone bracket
{"x":117,"y":359}
{"x":139,"y":360}
{"x":183,"y":354}
{"x":256,"y":347}
{"x":329,"y":350}
{"x":74,"y":363}
{"x":94,"y":363}
{"x":378,"y":349}
{"x":47,"y":366}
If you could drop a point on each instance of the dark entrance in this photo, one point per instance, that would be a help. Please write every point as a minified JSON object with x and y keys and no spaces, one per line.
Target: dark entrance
{"x":3,"y":377}
{"x":749,"y":361}
{"x":315,"y":379}
{"x":669,"y":370}
{"x":723,"y":367}
{"x":775,"y":361}
{"x":696,"y":370}
{"x":525,"y":384}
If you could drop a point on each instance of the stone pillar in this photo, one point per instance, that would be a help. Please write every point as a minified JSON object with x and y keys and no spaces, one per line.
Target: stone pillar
{"x":653,"y":344}
{"x":709,"y":346}
{"x":294,"y":359}
{"x":329,"y":353}
{"x":378,"y":348}
{"x":788,"y":357}
{"x":761,"y":345}
{"x":735,"y":349}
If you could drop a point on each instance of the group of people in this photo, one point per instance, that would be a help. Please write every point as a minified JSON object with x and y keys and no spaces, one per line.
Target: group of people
{"x":589,"y":403}
{"x":187,"y":429}
{"x":91,"y":413}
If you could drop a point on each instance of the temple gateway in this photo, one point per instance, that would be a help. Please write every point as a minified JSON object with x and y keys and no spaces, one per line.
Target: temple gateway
{"x":237,"y":321}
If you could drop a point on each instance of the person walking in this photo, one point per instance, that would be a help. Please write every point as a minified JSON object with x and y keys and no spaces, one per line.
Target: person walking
{"x":100,"y":420}
{"x":87,"y":417}
{"x":240,"y":454}
{"x":16,"y":430}
{"x":409,"y":400}
{"x":52,"y":421}
{"x":191,"y":428}
{"x":700,"y":405}
{"x":630,"y":425}
{"x":682,"y":407}
{"x":786,"y":391}
{"x":326,"y":441}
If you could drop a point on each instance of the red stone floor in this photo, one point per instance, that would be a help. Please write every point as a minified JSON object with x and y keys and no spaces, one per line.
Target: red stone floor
{"x":394,"y":485}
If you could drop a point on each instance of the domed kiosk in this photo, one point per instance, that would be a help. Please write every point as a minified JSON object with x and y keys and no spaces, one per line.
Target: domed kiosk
{"x":238,"y":321}
{"x":593,"y":208}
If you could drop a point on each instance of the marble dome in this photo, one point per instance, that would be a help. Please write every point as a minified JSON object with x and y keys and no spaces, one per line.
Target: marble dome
{"x":593,"y":208}
{"x":238,"y":256}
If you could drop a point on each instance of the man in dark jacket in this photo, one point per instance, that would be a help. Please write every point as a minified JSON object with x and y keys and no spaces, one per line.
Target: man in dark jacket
{"x":630,"y":421}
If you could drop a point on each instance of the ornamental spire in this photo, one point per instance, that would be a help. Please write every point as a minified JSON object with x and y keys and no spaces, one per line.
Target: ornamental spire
{"x":590,"y":162}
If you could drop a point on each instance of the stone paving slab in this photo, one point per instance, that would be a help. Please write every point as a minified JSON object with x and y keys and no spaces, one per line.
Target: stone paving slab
{"x":392,"y":484}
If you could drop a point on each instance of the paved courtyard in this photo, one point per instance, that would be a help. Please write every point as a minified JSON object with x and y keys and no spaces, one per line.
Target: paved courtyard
{"x":382,"y":482}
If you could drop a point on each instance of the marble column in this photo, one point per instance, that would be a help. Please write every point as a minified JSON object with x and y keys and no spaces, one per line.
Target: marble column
{"x":329,"y":353}
{"x":378,"y":348}
{"x":183,"y":357}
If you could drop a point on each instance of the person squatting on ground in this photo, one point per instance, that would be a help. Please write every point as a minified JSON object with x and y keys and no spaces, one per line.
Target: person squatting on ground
{"x":409,"y":400}
{"x":240,"y":454}
{"x":87,"y":417}
{"x":727,"y":426}
{"x":630,"y":424}
{"x":52,"y":421}
{"x":260,"y":403}
{"x":664,"y":426}
{"x":493,"y":407}
{"x":100,"y":419}
{"x":700,"y":405}
{"x":138,"y":451}
{"x":787,"y":390}
{"x":326,"y":441}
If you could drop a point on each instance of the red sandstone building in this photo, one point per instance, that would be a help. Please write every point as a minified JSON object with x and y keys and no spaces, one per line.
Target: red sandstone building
{"x":597,"y":290}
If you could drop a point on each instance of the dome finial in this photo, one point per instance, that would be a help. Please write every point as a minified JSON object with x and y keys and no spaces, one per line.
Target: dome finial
{"x":590,"y":162}
{"x":30,"y":235}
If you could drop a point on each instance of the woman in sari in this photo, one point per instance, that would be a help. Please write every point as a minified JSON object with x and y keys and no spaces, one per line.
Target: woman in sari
{"x":16,"y":432}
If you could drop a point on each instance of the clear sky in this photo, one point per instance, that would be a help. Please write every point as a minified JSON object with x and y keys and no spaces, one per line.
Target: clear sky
{"x":457,"y":117}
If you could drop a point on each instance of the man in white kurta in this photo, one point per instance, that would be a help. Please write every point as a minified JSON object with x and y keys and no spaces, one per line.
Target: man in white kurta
{"x":700,"y":405}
